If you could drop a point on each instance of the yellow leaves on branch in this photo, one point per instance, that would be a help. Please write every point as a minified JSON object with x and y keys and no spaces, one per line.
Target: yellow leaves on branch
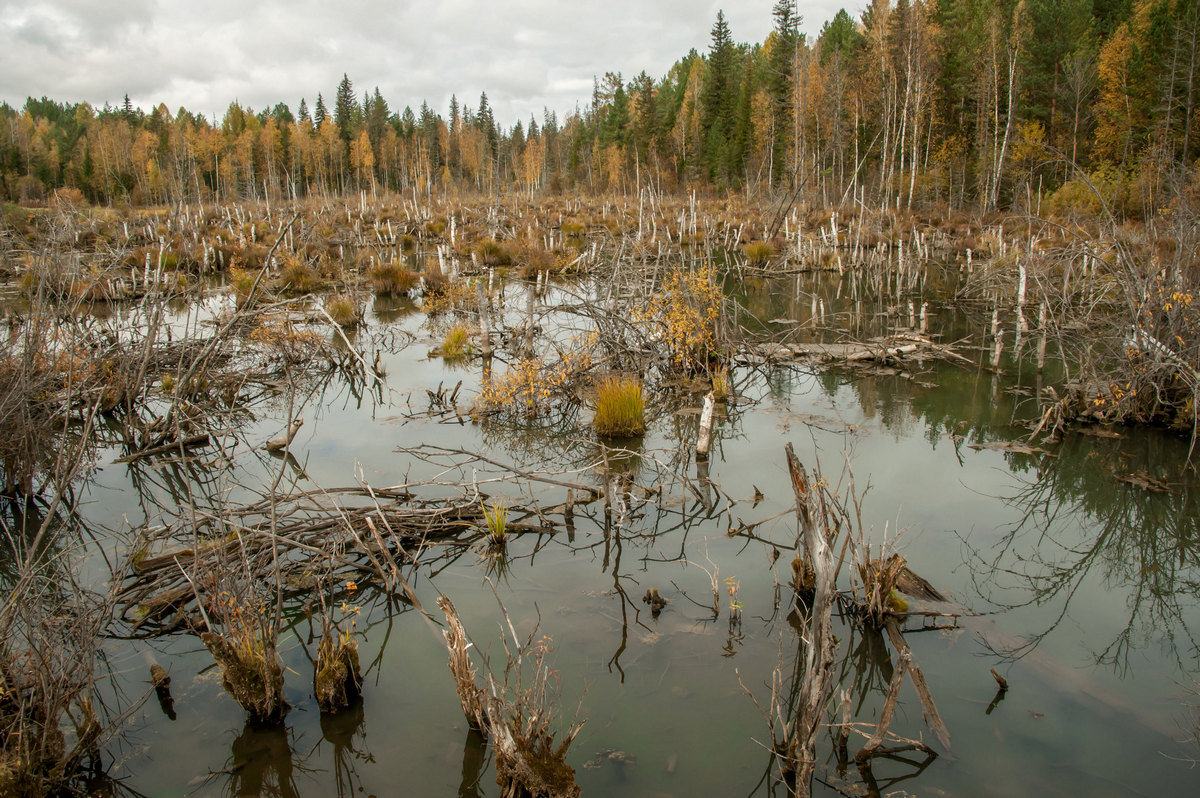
{"x":531,"y":385}
{"x":685,"y":313}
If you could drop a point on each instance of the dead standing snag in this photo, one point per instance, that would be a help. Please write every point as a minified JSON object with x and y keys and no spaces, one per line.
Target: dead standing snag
{"x":517,"y":718}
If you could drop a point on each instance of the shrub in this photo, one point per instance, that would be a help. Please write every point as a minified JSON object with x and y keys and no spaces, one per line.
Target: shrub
{"x":684,"y":313}
{"x":391,"y":279}
{"x":620,"y":408}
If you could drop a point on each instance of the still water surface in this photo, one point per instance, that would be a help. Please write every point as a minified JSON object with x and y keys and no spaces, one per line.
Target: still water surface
{"x":1080,"y":589}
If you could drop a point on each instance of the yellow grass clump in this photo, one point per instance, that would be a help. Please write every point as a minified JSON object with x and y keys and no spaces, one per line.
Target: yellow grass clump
{"x":391,"y":279}
{"x":620,"y":408}
{"x":457,"y":343}
{"x":343,"y":310}
{"x":759,"y":253}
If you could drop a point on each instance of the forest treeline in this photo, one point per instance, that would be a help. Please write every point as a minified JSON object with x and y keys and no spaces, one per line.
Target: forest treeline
{"x":971,"y":104}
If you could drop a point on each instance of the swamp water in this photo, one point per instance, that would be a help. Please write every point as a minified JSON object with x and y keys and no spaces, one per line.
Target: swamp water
{"x":1079,"y":588}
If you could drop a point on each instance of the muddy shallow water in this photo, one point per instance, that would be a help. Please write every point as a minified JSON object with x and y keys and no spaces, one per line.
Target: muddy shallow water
{"x":1081,"y":589}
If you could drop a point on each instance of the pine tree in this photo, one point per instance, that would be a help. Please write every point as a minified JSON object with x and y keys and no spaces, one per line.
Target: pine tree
{"x":1057,"y":29}
{"x":303,"y":112}
{"x":320,"y":114}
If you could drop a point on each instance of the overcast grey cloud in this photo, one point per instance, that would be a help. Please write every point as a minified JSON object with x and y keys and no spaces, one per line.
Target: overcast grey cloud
{"x":527,"y":54}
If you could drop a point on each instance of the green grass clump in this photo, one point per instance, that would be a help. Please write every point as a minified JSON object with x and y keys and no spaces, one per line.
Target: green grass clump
{"x":620,"y":408}
{"x":457,"y":343}
{"x":391,"y":279}
{"x":495,"y":518}
{"x":759,"y":253}
{"x":343,"y":310}
{"x":243,"y":283}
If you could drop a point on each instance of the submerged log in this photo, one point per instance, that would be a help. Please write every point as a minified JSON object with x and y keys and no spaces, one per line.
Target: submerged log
{"x":280,"y":443}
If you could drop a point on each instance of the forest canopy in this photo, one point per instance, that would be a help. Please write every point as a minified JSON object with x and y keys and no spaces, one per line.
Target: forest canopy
{"x":964,"y":103}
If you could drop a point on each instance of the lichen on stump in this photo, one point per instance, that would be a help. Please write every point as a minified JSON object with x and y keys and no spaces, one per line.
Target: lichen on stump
{"x":252,"y":675}
{"x":337,"y":681}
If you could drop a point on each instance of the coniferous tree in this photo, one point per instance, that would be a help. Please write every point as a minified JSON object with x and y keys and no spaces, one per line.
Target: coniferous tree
{"x":1056,"y":30}
{"x":487,"y":124}
{"x":779,"y":82}
{"x":319,"y":113}
{"x":303,"y":112}
{"x":717,"y":99}
{"x":345,"y":108}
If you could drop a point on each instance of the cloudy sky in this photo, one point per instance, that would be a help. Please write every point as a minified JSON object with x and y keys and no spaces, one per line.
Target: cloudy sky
{"x":202,"y":54}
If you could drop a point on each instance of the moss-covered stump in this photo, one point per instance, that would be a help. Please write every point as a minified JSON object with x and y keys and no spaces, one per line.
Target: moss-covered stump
{"x":252,"y":675}
{"x":337,"y":681}
{"x":540,"y":773}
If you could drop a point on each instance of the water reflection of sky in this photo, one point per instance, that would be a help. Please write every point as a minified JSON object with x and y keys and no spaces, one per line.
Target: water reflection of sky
{"x":1051,"y":550}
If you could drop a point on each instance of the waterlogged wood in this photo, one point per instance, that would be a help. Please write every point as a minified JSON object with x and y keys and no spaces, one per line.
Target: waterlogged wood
{"x":819,"y":656}
{"x":516,"y":721}
{"x":190,"y":442}
{"x":704,"y":439}
{"x":881,"y":350}
{"x":282,"y":442}
{"x":932,"y":716}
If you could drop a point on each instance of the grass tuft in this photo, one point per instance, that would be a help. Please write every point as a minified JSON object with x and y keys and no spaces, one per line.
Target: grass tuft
{"x":391,"y":279}
{"x":759,"y":253}
{"x":457,"y":343}
{"x":620,"y":408}
{"x":495,"y":518}
{"x":343,"y":310}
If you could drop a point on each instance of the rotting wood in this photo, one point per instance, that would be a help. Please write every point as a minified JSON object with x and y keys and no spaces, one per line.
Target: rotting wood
{"x":516,"y":718}
{"x":929,"y":708}
{"x":704,"y":438}
{"x":189,"y":442}
{"x":816,"y":688}
{"x":284,"y":440}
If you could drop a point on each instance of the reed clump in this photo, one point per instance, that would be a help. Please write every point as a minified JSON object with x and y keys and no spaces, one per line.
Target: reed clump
{"x":620,"y":408}
{"x":495,"y":518}
{"x":299,"y":278}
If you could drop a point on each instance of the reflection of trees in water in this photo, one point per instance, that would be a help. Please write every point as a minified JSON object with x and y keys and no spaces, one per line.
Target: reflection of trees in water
{"x":346,"y":733}
{"x":1079,"y":521}
{"x":260,"y":763}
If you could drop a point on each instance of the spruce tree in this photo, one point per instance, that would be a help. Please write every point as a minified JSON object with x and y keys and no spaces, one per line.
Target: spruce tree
{"x":779,"y":81}
{"x":487,"y":123}
{"x":303,"y":112}
{"x":717,"y":99}
{"x":344,"y":109}
{"x":320,"y":114}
